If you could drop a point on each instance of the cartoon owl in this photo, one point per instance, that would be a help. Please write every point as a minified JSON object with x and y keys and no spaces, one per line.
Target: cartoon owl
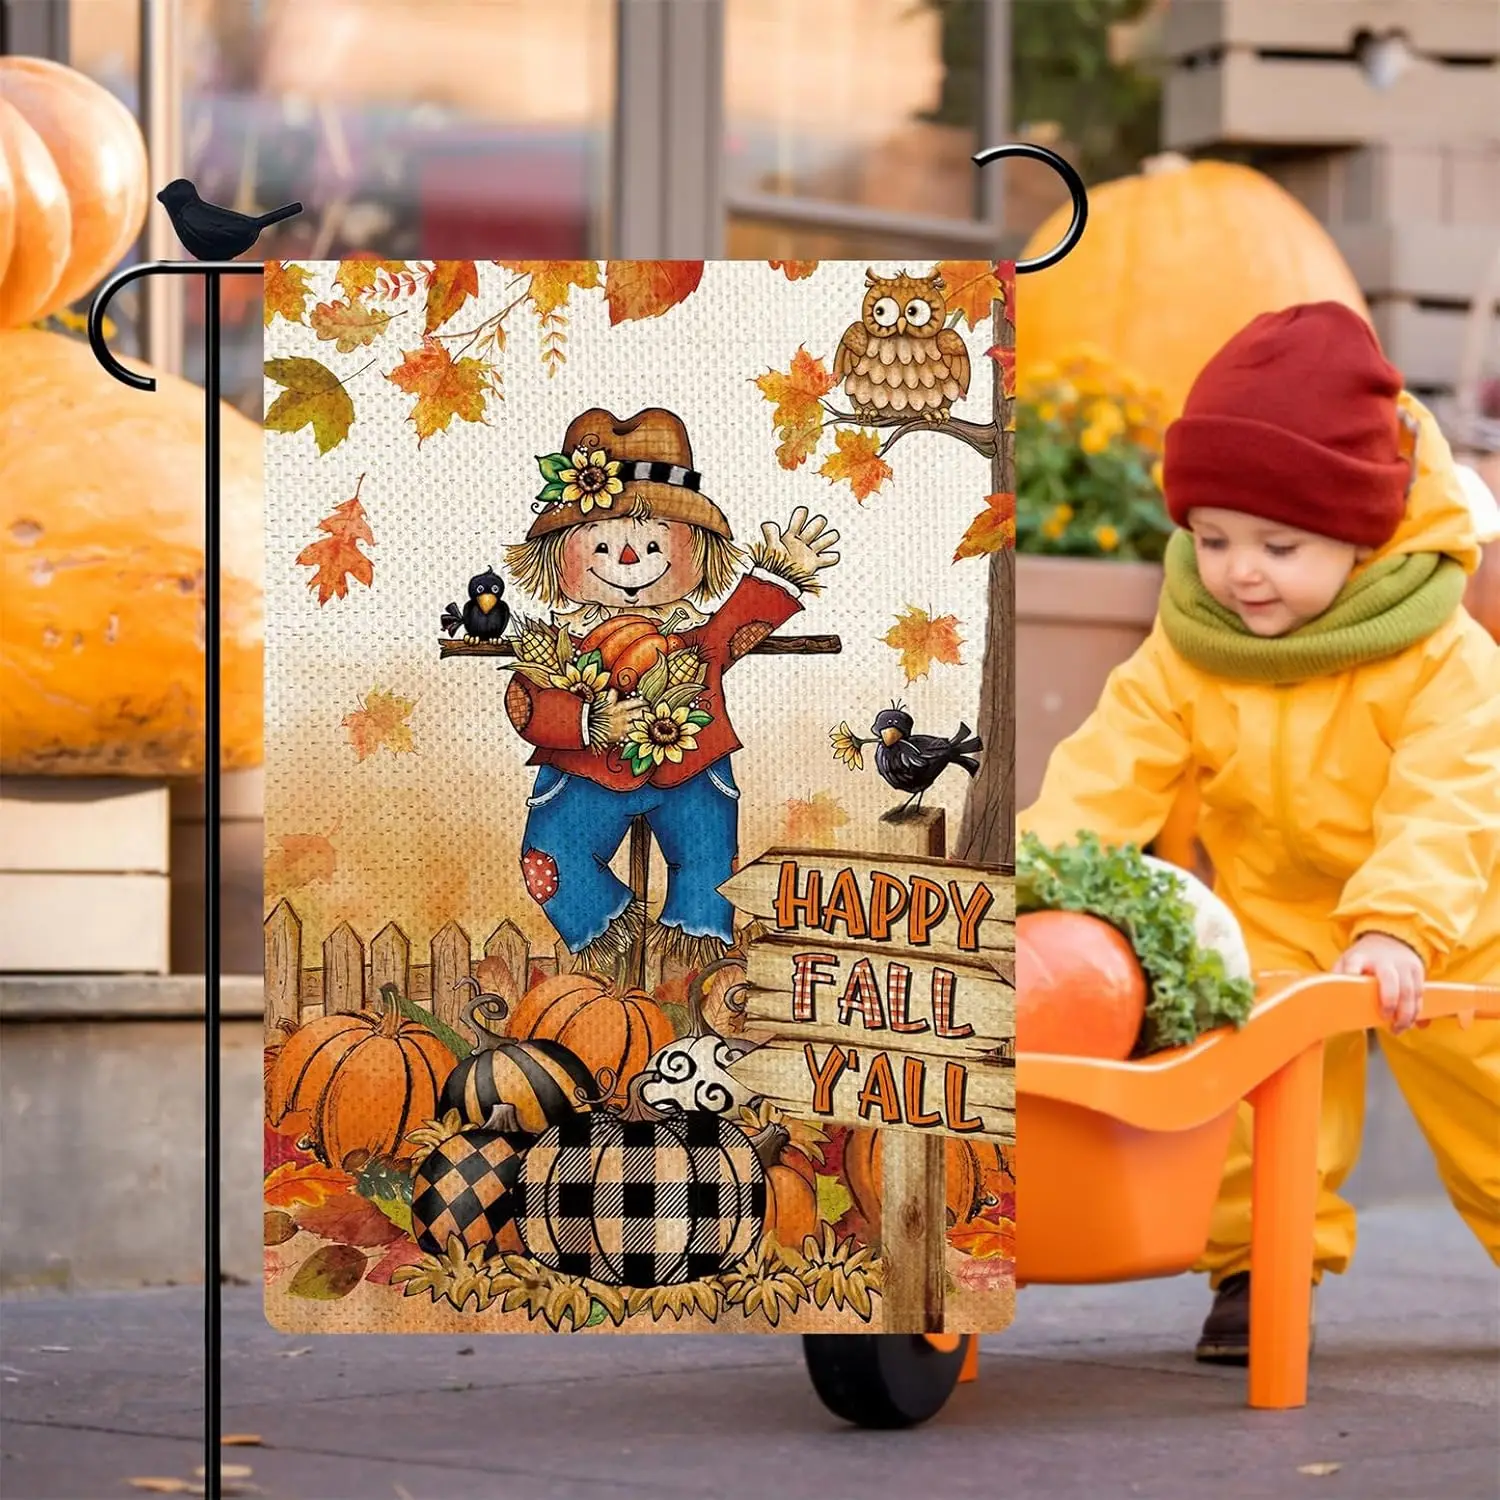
{"x":899,"y":359}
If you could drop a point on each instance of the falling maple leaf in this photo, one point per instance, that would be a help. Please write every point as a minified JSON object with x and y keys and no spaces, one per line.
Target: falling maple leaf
{"x":285,"y":291}
{"x":382,"y":721}
{"x":453,"y":283}
{"x":985,"y":1239}
{"x":1006,"y":359}
{"x":553,"y":280}
{"x":445,"y":387}
{"x":314,"y":397}
{"x":992,"y":530}
{"x":922,"y":640}
{"x":858,"y":461}
{"x":358,"y":276}
{"x":797,"y":396}
{"x":336,"y":556}
{"x":290,"y":1185}
{"x":795,"y":269}
{"x":648,"y":288}
{"x":349,"y":324}
{"x":970,"y":287}
{"x":810,"y":821}
{"x":300,"y":859}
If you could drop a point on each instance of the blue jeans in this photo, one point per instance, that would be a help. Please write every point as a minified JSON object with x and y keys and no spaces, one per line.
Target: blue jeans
{"x":575,"y":827}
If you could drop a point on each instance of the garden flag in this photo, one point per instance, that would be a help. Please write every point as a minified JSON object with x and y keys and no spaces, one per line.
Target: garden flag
{"x":639,"y":927}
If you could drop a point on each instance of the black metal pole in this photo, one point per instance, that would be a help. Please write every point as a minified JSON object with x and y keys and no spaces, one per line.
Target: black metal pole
{"x":213,"y":1403}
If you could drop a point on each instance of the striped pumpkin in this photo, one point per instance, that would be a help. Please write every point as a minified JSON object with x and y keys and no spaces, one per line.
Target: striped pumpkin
{"x":611,"y":1032}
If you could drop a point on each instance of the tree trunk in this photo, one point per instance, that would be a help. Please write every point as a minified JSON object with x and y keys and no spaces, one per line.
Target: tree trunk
{"x":988,"y":834}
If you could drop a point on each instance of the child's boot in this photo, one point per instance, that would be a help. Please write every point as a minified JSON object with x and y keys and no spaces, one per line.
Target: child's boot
{"x":1225,"y":1339}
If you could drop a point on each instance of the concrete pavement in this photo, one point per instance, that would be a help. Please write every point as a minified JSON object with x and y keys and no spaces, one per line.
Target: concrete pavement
{"x":1092,"y":1393}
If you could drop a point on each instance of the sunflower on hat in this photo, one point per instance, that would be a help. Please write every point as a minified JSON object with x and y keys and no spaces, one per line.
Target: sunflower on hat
{"x":588,"y":477}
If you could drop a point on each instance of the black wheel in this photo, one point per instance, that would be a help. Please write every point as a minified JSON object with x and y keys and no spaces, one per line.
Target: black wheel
{"x":881,"y":1379}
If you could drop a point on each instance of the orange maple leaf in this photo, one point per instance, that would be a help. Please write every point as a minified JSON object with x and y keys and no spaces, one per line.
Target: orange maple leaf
{"x":647,"y":288}
{"x":970,"y":287}
{"x":553,"y":280}
{"x":923,"y":640}
{"x":795,"y":270}
{"x":797,"y":395}
{"x":1006,"y":359}
{"x":453,"y":283}
{"x":445,"y":387}
{"x":357,"y":276}
{"x":857,"y":460}
{"x":336,"y":557}
{"x":291,"y":1184}
{"x":992,"y":530}
{"x":300,"y":859}
{"x":986,"y":1239}
{"x":285,"y":291}
{"x":350,"y":324}
{"x":810,"y":821}
{"x":382,"y":721}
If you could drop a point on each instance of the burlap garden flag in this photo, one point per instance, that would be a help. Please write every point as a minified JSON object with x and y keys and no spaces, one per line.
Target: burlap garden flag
{"x":636,"y":777}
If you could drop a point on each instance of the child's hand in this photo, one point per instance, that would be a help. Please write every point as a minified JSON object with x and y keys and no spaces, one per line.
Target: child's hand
{"x":803,"y":543}
{"x":1397,"y":970}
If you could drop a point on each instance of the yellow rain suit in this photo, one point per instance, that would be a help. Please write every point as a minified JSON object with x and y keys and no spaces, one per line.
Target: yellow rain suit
{"x":1365,"y":800}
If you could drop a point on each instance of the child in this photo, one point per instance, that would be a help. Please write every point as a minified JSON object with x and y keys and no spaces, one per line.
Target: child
{"x":624,"y":530}
{"x":1314,"y":673}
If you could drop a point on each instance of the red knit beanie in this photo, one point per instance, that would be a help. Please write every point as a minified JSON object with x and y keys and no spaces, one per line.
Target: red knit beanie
{"x":1294,"y":420}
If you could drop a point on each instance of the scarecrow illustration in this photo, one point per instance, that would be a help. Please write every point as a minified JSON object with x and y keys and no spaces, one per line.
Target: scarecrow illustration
{"x":621,"y":691}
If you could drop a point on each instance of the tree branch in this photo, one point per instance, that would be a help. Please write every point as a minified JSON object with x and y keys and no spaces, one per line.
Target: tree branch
{"x":981,"y":436}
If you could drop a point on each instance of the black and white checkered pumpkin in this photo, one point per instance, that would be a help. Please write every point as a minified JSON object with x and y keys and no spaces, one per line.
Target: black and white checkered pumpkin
{"x":467,"y":1187}
{"x":640,"y":1199}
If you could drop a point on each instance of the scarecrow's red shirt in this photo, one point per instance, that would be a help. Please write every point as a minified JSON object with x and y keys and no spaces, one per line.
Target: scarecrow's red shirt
{"x":555,"y":721}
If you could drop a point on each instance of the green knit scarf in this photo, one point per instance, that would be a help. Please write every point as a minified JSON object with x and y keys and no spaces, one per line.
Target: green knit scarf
{"x":1389,"y":606}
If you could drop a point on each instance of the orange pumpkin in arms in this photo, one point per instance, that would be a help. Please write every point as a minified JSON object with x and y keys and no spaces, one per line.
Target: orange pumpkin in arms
{"x":628,"y":645}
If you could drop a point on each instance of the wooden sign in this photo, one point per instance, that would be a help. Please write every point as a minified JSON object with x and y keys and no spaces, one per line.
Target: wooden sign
{"x":884,"y":994}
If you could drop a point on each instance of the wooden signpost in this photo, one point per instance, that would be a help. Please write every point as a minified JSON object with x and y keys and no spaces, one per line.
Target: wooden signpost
{"x":884,"y":996}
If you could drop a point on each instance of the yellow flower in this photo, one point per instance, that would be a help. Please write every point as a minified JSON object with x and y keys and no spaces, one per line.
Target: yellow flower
{"x":1106,"y":416}
{"x":1047,"y":411}
{"x":587,"y":682}
{"x":665,"y":736}
{"x":592,"y":481}
{"x":1057,"y":523}
{"x":1040,"y":374}
{"x":848,"y":746}
{"x":1107,"y":537}
{"x":1095,"y":439}
{"x":1158,"y":476}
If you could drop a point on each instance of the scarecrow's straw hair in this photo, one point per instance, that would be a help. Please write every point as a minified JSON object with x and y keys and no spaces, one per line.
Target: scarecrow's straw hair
{"x":537,"y":565}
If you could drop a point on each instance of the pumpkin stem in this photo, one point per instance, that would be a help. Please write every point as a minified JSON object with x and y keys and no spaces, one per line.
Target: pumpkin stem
{"x":483,"y":1004}
{"x":695,"y":994}
{"x":391,"y":1017}
{"x":769,"y":1142}
{"x":636,"y":1107}
{"x":1164,"y":162}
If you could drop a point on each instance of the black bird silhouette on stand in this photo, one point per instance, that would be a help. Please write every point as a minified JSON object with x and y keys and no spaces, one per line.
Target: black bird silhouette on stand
{"x":906,"y":761}
{"x":486,"y":615}
{"x":212,"y":233}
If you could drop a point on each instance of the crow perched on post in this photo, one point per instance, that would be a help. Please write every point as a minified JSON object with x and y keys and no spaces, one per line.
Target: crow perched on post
{"x":912,"y":762}
{"x":210,"y":232}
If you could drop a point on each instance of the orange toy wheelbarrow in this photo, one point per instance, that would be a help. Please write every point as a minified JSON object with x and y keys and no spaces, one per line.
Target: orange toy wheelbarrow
{"x":1118,"y":1168}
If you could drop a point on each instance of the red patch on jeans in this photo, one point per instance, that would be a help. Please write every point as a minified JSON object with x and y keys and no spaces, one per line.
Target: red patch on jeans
{"x":540,"y":872}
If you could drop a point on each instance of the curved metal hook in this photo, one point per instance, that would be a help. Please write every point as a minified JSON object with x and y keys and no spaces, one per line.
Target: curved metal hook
{"x":1076,"y":191}
{"x":102,"y":298}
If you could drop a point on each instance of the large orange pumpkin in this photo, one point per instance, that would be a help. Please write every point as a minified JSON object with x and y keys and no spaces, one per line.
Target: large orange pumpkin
{"x":617,"y":1031}
{"x":974,"y":1171}
{"x":1080,"y":989}
{"x":101,"y":520}
{"x":358,"y":1081}
{"x":73,"y":186}
{"x":628,"y":645}
{"x":791,"y":1194}
{"x":1176,"y":260}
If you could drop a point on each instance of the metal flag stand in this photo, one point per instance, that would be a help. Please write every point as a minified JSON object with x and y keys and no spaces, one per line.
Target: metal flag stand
{"x":212,"y":272}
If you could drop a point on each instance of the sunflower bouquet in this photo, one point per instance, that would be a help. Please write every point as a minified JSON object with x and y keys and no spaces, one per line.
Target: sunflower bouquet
{"x":1089,"y":438}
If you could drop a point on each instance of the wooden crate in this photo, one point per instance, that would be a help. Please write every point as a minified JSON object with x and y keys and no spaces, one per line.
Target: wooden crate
{"x":1246,"y":98}
{"x":1431,"y":263}
{"x":1424,"y":340}
{"x":241,"y":873}
{"x":1395,"y":184}
{"x":83,"y":876}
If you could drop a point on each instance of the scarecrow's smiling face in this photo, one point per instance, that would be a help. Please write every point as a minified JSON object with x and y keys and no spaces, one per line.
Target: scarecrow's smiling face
{"x":630,"y":562}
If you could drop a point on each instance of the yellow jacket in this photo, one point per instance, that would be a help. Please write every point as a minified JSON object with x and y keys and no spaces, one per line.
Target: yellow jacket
{"x":1365,"y":800}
